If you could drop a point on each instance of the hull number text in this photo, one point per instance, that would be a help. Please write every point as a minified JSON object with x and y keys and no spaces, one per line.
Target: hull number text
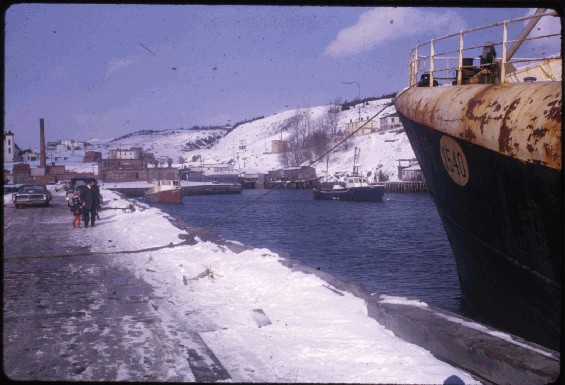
{"x":454,"y":160}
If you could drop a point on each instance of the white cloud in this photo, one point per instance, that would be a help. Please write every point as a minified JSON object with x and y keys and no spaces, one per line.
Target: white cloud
{"x":381,"y":25}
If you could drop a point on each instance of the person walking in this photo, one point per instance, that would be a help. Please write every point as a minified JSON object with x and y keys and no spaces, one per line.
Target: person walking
{"x":76,"y":209}
{"x":89,"y":199}
{"x":98,"y":196}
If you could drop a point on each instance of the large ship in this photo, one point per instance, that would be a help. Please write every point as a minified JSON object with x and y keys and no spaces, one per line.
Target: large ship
{"x":487,"y":134}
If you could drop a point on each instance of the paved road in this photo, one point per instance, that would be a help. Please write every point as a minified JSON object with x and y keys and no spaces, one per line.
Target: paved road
{"x":72,"y":316}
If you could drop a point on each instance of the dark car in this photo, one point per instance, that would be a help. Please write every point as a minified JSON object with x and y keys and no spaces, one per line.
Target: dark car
{"x":32,"y":195}
{"x":74,"y":184}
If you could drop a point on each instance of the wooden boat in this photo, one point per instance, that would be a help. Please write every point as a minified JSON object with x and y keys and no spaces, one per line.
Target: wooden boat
{"x":489,"y":145}
{"x":165,"y":191}
{"x":356,"y":188}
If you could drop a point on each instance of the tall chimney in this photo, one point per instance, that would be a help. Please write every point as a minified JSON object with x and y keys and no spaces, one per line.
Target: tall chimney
{"x":42,"y":157}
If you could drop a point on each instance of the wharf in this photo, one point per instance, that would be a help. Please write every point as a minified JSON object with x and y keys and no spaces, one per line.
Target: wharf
{"x":50,"y":278}
{"x":211,"y":189}
{"x":137,"y":191}
{"x":406,"y":186}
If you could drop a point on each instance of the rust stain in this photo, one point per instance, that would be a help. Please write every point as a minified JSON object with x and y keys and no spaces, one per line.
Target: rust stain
{"x":548,"y":151}
{"x":473,"y":104}
{"x":496,"y":106}
{"x":469,"y":134}
{"x":554,"y":112}
{"x":504,"y":137}
{"x":537,"y":134}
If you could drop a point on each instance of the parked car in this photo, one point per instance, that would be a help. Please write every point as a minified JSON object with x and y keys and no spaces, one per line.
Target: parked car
{"x":61,"y":185}
{"x":32,"y":195}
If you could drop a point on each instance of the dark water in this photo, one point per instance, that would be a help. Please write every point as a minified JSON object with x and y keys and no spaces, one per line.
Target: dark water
{"x":395,"y":247}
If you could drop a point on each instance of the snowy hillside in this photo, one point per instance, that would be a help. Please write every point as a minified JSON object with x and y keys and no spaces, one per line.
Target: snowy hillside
{"x":379,"y":151}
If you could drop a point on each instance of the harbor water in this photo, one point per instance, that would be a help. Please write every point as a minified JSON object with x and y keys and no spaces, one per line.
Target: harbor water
{"x":395,"y":247}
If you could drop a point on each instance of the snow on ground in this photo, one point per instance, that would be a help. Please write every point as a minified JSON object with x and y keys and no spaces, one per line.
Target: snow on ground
{"x":314,"y":334}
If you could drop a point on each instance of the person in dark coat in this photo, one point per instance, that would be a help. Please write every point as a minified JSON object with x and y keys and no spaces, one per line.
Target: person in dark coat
{"x":96,"y":191}
{"x":89,"y":199}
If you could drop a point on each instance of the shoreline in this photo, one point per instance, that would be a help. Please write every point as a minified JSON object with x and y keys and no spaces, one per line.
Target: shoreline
{"x":415,"y":321}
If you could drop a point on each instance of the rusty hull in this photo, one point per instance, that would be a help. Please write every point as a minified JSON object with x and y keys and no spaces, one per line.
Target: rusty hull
{"x":522,"y":120}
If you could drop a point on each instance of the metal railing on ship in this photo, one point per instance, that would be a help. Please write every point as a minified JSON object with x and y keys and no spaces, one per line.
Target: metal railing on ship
{"x":431,"y":66}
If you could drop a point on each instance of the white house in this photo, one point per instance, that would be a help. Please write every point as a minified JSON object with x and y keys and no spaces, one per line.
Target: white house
{"x":391,"y":122}
{"x":29,"y":156}
{"x":10,"y":148}
{"x":368,"y":127}
{"x":132,"y":153}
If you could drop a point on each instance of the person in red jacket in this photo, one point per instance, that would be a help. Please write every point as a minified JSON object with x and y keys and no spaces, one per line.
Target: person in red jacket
{"x":76,"y":209}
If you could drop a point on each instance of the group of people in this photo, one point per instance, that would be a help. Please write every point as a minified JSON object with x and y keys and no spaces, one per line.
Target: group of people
{"x":85,"y":203}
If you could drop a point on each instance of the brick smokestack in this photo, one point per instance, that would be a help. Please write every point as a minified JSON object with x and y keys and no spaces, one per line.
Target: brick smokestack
{"x":42,"y":157}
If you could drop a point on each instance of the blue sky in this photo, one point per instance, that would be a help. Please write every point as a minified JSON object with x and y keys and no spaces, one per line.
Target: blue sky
{"x":102,"y":71}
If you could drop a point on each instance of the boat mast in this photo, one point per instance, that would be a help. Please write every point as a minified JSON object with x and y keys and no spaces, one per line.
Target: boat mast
{"x":356,"y":162}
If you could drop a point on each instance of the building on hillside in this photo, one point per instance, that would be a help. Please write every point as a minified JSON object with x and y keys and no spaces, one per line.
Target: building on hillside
{"x":292,"y":173}
{"x":10,"y":148}
{"x":291,"y":177}
{"x":210,"y":172}
{"x":148,"y":158}
{"x":131,"y":170}
{"x":212,"y":167}
{"x":412,"y":174}
{"x":28,"y":156}
{"x":132,"y":153}
{"x":279,"y":146}
{"x":409,"y":170}
{"x":135,"y":165}
{"x":391,"y":122}
{"x":368,"y":126}
{"x":92,"y":156}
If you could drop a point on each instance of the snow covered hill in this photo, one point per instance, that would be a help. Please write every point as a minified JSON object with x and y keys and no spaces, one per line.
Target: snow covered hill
{"x":379,"y":151}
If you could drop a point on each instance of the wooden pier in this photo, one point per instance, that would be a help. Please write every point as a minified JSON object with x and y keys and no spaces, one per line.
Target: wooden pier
{"x":290,"y":184}
{"x":204,"y":189}
{"x":406,"y":187}
{"x":212,"y":189}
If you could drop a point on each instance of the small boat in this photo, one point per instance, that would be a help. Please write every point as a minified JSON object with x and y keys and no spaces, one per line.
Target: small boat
{"x":165,"y":191}
{"x":489,"y":141}
{"x":356,"y":188}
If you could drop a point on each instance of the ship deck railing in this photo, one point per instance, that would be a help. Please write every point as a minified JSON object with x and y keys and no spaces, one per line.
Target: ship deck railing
{"x":445,"y":58}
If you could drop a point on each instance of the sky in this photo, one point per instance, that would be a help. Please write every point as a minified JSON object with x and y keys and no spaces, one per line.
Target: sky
{"x":311,"y":331}
{"x":105,"y":70}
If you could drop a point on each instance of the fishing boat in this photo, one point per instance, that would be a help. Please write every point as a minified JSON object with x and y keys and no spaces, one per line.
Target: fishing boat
{"x":488,"y":140}
{"x":356,"y":187}
{"x":164,"y":191}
